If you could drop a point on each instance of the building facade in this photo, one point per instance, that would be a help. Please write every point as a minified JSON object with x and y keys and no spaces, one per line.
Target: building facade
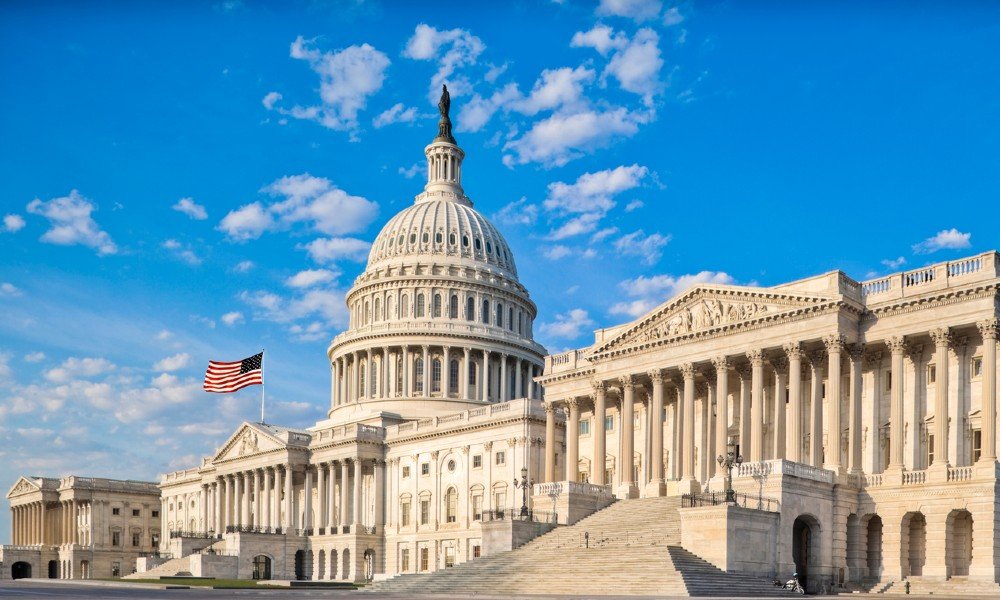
{"x":434,"y":412}
{"x":866,"y":410}
{"x":80,"y":527}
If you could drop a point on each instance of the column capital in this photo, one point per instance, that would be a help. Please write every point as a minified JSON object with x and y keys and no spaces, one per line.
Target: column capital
{"x":779,"y":363}
{"x":914,"y":352}
{"x":721,"y":363}
{"x":856,"y":351}
{"x":656,"y":375}
{"x":873,"y":358}
{"x":600,"y":386}
{"x":549,"y":409}
{"x":572,"y":403}
{"x":793,"y":350}
{"x":989,"y":328}
{"x":896,"y":344}
{"x":687,"y":371}
{"x":627,"y":381}
{"x":756,"y":357}
{"x":817,"y":358}
{"x":835,"y":342}
{"x":942,"y":336}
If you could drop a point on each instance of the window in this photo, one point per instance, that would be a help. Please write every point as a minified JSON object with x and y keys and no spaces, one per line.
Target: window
{"x":418,"y":384}
{"x":977,"y":445}
{"x":486,"y":312}
{"x":453,"y":307}
{"x":135,"y":512}
{"x":499,"y":315}
{"x":465,"y":241}
{"x":489,"y":247}
{"x":501,"y":458}
{"x":404,"y":307}
{"x":477,"y":507}
{"x":413,"y":238}
{"x":116,"y":569}
{"x":438,"y":238}
{"x":424,"y":238}
{"x":436,"y":375}
{"x":585,"y":427}
{"x":453,"y":376}
{"x":154,"y":540}
{"x":476,"y":551}
{"x":362,"y":377}
{"x":136,"y":539}
{"x":451,"y":239}
{"x":451,"y":466}
{"x":436,"y":306}
{"x":406,"y":472}
{"x":470,"y":310}
{"x":404,"y":513}
{"x":477,"y":461}
{"x":931,"y":374}
{"x":449,"y":556}
{"x":420,"y":305}
{"x":404,"y":559}
{"x":451,"y":506}
{"x":888,"y":380}
{"x":378,"y":309}
{"x":977,"y":366}
{"x":425,"y":468}
{"x":116,"y":538}
{"x":479,"y":244}
{"x":425,"y":559}
{"x":425,"y":511}
{"x":499,"y":502}
{"x":156,"y":514}
{"x":116,"y":511}
{"x":609,"y":423}
{"x":510,"y":319}
{"x":472,"y":373}
{"x":930,"y":450}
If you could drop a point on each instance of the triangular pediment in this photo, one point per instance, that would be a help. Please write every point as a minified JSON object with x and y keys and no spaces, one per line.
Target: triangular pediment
{"x":710,"y":308}
{"x":23,"y":485}
{"x":249,"y":439}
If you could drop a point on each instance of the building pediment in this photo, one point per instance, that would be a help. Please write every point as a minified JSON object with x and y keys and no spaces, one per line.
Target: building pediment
{"x":705,"y":310}
{"x":23,"y":486}
{"x":249,"y":440}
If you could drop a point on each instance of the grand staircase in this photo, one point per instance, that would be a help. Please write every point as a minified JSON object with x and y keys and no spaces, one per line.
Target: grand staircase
{"x":956,"y":586}
{"x":628,"y":548}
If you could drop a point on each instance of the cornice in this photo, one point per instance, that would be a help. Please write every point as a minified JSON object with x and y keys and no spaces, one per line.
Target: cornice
{"x":944,"y":298}
{"x":400,"y":335}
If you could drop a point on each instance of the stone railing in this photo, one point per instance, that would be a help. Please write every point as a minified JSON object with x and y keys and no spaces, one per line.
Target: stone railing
{"x":873,"y":479}
{"x":784,"y":467}
{"x":960,"y":473}
{"x":352,"y":431}
{"x":556,"y":488}
{"x":523,"y":406}
{"x":914,"y":477}
{"x":13,"y":547}
{"x":937,"y":276}
{"x":567,"y":361}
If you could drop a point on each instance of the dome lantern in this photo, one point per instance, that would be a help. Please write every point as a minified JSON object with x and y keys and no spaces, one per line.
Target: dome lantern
{"x":444,"y":161}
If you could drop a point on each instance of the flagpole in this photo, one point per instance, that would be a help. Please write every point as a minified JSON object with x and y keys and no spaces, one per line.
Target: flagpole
{"x":261,"y":386}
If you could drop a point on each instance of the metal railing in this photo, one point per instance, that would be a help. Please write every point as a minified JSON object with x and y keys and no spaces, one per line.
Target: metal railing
{"x":740,"y":499}
{"x":197,"y":535}
{"x":516,"y":515}
{"x":247,"y":529}
{"x":156,"y":554}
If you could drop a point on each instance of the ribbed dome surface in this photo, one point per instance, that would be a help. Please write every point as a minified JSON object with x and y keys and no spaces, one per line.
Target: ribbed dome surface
{"x":436,"y":228}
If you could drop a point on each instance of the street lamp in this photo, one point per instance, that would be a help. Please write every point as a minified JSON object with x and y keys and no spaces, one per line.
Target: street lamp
{"x":523,"y":485}
{"x":727,"y":462}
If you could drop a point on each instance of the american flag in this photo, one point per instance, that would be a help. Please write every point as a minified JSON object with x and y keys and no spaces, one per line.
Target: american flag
{"x":226,"y":377}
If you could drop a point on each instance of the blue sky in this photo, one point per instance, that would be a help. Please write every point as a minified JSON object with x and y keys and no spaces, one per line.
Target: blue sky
{"x":185,"y":181}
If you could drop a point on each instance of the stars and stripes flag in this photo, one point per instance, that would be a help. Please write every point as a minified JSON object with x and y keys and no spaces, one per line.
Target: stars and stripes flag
{"x":226,"y":377}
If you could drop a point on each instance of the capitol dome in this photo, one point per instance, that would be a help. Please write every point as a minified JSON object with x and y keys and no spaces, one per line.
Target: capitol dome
{"x":438,"y":319}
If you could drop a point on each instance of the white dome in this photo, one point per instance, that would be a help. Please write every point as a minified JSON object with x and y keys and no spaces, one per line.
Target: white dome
{"x":433,"y":230}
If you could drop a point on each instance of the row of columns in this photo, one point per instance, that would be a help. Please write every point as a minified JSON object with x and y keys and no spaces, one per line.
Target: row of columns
{"x":352,"y":374}
{"x":32,"y":523}
{"x":787,"y":438}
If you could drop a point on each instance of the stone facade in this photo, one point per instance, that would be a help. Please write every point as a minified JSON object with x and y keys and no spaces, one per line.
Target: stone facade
{"x":80,"y":527}
{"x":866,"y":411}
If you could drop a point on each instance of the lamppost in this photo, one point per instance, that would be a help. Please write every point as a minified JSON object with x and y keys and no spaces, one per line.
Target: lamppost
{"x":727,"y":462}
{"x":523,"y":485}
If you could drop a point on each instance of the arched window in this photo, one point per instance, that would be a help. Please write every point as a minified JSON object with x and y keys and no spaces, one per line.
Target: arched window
{"x":436,"y":375}
{"x":470,"y":309}
{"x":418,"y":384}
{"x":424,"y":238}
{"x":378,"y":307}
{"x":453,"y":307}
{"x":404,"y":310}
{"x":489,"y":248}
{"x":479,"y":244}
{"x":451,"y":239}
{"x":520,"y":322}
{"x":437,"y":306}
{"x":413,"y":238}
{"x":438,"y":238}
{"x":472,"y":372}
{"x":389,"y":305}
{"x":361,"y":372}
{"x":499,"y":315}
{"x":374,"y":377}
{"x":367,"y":314}
{"x":453,"y":376}
{"x":465,"y":241}
{"x":399,"y":375}
{"x":486,"y":312}
{"x":451,"y":505}
{"x":510,"y":318}
{"x":420,"y":305}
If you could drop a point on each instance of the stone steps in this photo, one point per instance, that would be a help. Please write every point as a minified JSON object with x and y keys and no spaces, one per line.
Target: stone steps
{"x":170,"y":568}
{"x":634,"y":549}
{"x":956,"y":586}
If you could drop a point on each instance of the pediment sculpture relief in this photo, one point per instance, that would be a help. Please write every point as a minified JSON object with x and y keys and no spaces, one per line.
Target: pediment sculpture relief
{"x":704,"y":314}
{"x":22,"y":487}
{"x":248,"y":443}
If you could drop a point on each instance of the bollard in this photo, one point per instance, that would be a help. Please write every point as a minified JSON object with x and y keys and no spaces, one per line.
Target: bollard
{"x":586,"y":539}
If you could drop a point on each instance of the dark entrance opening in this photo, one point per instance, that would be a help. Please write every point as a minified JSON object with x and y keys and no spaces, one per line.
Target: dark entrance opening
{"x":20,"y":570}
{"x":801,"y":549}
{"x":53,"y":569}
{"x":262,"y":567}
{"x":300,"y":564}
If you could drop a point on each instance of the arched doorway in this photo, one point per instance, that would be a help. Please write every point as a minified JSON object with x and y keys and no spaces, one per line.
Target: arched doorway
{"x":20,"y":570}
{"x":262,"y":567}
{"x":914,"y":544}
{"x":805,"y":534}
{"x":346,"y":570}
{"x":958,"y":543}
{"x":300,"y":565}
{"x":85,"y":569}
{"x":53,"y":569}
{"x":333,"y":564}
{"x":369,"y":565}
{"x":874,"y":550}
{"x":321,"y":565}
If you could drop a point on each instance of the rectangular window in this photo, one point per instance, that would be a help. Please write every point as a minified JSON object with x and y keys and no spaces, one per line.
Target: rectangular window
{"x":477,"y":551}
{"x":155,"y":540}
{"x":425,"y":511}
{"x":636,"y":420}
{"x":156,"y":514}
{"x":449,"y":556}
{"x":477,"y":461}
{"x":406,"y":472}
{"x":477,"y":507}
{"x":116,"y":569}
{"x":585,"y":427}
{"x":499,"y":502}
{"x":404,"y":514}
{"x":887,"y":378}
{"x":501,"y":458}
{"x":116,"y":538}
{"x":116,"y":511}
{"x":425,"y":468}
{"x":425,"y":559}
{"x":930,"y":450}
{"x":136,"y":539}
{"x":609,"y":423}
{"x":404,"y":559}
{"x":977,"y":445}
{"x":135,"y":512}
{"x":931,"y":374}
{"x":977,"y":366}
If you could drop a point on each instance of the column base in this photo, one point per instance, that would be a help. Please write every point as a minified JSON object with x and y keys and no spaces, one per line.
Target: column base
{"x":626,"y":491}
{"x":655,"y":489}
{"x":688,"y":486}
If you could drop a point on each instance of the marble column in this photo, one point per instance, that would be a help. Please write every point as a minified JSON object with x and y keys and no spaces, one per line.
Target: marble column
{"x":405,"y":392}
{"x":854,"y":441}
{"x":573,"y":440}
{"x":942,"y":339}
{"x":255,"y":484}
{"x":688,"y":483}
{"x":744,"y":372}
{"x":463,"y":377}
{"x":756,"y":357}
{"x":989,"y":329}
{"x":357,"y":495}
{"x":656,"y":484}
{"x":504,"y":382}
{"x":816,"y":410}
{"x":331,"y":498}
{"x":484,"y":377}
{"x":307,"y":505}
{"x":288,"y":476}
{"x":386,"y":382}
{"x":721,"y":364}
{"x":445,"y":372}
{"x":321,"y":511}
{"x":834,"y":348}
{"x":897,"y":347}
{"x":344,"y":475}
{"x":628,"y":488}
{"x":780,"y":437}
{"x":550,"y":442}
{"x":793,"y":445}
{"x":217,"y":522}
{"x":380,"y":519}
{"x":599,"y":460}
{"x":203,"y":501}
{"x":425,"y":380}
{"x":517,"y":379}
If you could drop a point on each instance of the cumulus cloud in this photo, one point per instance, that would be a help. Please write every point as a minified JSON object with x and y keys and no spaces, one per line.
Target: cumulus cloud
{"x":556,"y":88}
{"x":647,"y":247}
{"x":173,"y":363}
{"x":894,"y":263}
{"x":191,"y":209}
{"x":556,"y":252}
{"x":519,"y":212}
{"x":9,"y":290}
{"x":637,"y":10}
{"x":649,"y":292}
{"x":673,"y":16}
{"x":13,"y":223}
{"x":310,"y":278}
{"x":947,"y":239}
{"x":562,"y":137}
{"x":304,"y":199}
{"x":453,"y":49}
{"x":397,"y":113}
{"x":182,"y":252}
{"x":587,"y":200}
{"x":34,"y":357}
{"x":634,"y":205}
{"x":568,"y":325}
{"x":637,"y":65}
{"x":244,"y":266}
{"x":71,"y":223}
{"x":310,"y":332}
{"x":601,"y":38}
{"x":327,"y":250}
{"x":411,"y":172}
{"x":232,"y":318}
{"x":325,"y":304}
{"x":347,"y":78}
{"x":79,"y":367}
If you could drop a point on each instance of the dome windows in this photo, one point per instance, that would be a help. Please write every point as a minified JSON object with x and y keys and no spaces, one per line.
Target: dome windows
{"x":479,"y":244}
{"x":465,"y":241}
{"x":489,"y":248}
{"x":436,"y":313}
{"x":420,"y":305}
{"x":486,"y":311}
{"x":453,"y":307}
{"x":451,"y":239}
{"x":438,"y":238}
{"x":425,"y":238}
{"x":413,"y":238}
{"x":470,"y":309}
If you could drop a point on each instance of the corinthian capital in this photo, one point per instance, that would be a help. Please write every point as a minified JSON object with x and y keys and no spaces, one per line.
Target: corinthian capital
{"x":834,"y":343}
{"x":656,"y":375}
{"x":896,"y":344}
{"x":755,"y":356}
{"x":989,"y":328}
{"x":721,"y":363}
{"x":627,"y":381}
{"x":941,"y":336}
{"x":687,"y":371}
{"x":780,"y":364}
{"x":600,"y":386}
{"x":793,"y":350}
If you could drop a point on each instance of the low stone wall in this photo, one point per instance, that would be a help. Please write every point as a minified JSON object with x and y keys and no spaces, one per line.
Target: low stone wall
{"x":732,"y":538}
{"x":570,"y":501}
{"x":214,"y":565}
{"x":503,"y":536}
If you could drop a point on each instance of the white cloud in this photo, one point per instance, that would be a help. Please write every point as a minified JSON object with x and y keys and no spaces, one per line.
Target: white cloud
{"x":568,"y":325}
{"x":163,"y":335}
{"x":173,"y":363}
{"x":894,"y":263}
{"x":79,"y":367}
{"x":310,"y":333}
{"x":9,"y":290}
{"x":647,"y":247}
{"x":232,"y":318}
{"x":310,"y":277}
{"x":313,"y":201}
{"x":326,"y":250}
{"x":244,"y":266}
{"x":653,"y":291}
{"x":562,"y":137}
{"x":556,"y":88}
{"x":476,"y":112}
{"x":637,"y":10}
{"x":70,"y":217}
{"x":182,"y":252}
{"x":673,"y":17}
{"x":584,"y":223}
{"x":518,"y":212}
{"x":453,"y":49}
{"x":191,"y":209}
{"x":601,"y":38}
{"x":593,"y":192}
{"x":13,"y":223}
{"x":634,"y":205}
{"x":322,"y":303}
{"x":347,"y":78}
{"x":947,"y":239}
{"x":396,"y":114}
{"x":637,"y":65}
{"x":411,"y":172}
{"x":603,"y":234}
{"x":558,"y":251}
{"x":34,"y":357}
